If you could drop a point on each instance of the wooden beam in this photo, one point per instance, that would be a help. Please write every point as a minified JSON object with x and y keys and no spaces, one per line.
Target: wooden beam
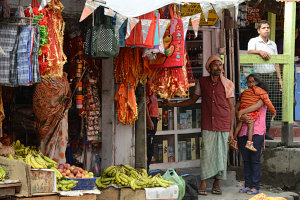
{"x":272,"y":22}
{"x":288,"y":73}
{"x":280,"y":59}
{"x":108,"y":113}
{"x":288,"y":68}
{"x":140,"y":129}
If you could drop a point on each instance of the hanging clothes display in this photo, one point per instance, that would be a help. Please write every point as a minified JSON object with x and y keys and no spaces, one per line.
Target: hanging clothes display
{"x":56,"y":26}
{"x":19,"y":65}
{"x":126,"y":105}
{"x":34,"y":12}
{"x":130,"y":69}
{"x":51,"y":110}
{"x":171,"y":82}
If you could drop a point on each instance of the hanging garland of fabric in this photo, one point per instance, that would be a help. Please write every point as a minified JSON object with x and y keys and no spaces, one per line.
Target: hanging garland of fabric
{"x":130,"y":69}
{"x":56,"y":26}
{"x":34,"y":12}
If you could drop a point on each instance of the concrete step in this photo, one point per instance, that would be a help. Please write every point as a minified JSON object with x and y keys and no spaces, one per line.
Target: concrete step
{"x":230,"y":181}
{"x":230,"y":188}
{"x":231,"y":193}
{"x":275,"y":131}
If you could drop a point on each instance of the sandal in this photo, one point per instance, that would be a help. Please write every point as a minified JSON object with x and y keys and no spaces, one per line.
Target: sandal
{"x":253,"y":192}
{"x":216,"y":190}
{"x":249,"y":145}
{"x":233,"y":145}
{"x":202,"y":192}
{"x":243,"y":190}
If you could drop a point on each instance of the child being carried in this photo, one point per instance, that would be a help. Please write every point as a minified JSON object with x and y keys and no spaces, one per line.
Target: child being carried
{"x":256,"y":90}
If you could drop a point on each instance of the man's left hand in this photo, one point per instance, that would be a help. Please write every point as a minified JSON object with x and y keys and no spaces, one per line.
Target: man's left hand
{"x":230,"y":137}
{"x":150,"y":125}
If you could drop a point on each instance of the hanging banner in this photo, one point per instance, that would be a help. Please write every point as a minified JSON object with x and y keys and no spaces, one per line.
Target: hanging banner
{"x":145,"y":28}
{"x":109,"y":12}
{"x":205,"y":7}
{"x":88,"y":9}
{"x":120,"y":19}
{"x":194,"y":8}
{"x":218,"y":8}
{"x":185,"y":22}
{"x":130,"y":25}
{"x":163,"y":23}
{"x":195,"y":19}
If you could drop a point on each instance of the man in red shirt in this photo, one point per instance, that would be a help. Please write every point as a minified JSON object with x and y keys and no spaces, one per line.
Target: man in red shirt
{"x":217,"y":120}
{"x":152,"y":115}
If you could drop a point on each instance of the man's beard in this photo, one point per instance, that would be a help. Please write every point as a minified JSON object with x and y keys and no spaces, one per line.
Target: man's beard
{"x":216,"y":73}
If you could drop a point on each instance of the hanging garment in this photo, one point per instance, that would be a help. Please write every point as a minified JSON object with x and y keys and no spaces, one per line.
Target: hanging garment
{"x":173,"y":44}
{"x":171,"y":82}
{"x":23,"y":69}
{"x":36,"y":76}
{"x":49,"y":106}
{"x":126,"y":105}
{"x":56,"y":26}
{"x":130,"y":67}
{"x":4,"y":9}
{"x":9,"y":44}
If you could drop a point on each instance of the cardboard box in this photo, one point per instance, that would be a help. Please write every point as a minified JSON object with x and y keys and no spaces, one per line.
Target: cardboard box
{"x":129,"y":194}
{"x":41,"y":182}
{"x":85,"y":197}
{"x":158,"y":193}
{"x":48,"y":197}
{"x":109,"y":193}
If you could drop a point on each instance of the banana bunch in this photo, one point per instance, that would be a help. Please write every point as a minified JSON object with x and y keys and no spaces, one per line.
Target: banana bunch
{"x":125,"y":175}
{"x":2,"y":174}
{"x":59,"y":176}
{"x":38,"y":161}
{"x":31,"y":156}
{"x":66,"y":185}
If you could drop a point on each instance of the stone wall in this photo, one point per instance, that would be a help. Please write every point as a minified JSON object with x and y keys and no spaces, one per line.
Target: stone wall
{"x":281,"y":167}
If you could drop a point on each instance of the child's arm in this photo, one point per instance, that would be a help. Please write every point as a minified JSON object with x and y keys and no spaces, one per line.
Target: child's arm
{"x":268,"y":103}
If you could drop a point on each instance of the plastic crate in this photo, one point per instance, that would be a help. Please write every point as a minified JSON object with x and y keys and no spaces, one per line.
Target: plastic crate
{"x":84,"y":183}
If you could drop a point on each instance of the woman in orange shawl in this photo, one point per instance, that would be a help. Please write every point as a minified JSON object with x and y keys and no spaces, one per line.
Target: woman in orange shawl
{"x":51,"y":102}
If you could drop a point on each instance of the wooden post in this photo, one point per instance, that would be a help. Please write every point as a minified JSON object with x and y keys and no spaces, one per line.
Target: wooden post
{"x":272,"y":22}
{"x":140,"y":130}
{"x":108,"y":113}
{"x":288,"y":73}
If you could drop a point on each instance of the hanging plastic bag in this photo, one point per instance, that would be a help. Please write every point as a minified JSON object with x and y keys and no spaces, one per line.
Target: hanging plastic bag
{"x":171,"y":175}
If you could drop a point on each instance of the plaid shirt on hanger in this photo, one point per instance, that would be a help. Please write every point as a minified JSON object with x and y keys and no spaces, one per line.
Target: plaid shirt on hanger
{"x":23,"y":72}
{"x":9,"y":43}
{"x":36,"y":76}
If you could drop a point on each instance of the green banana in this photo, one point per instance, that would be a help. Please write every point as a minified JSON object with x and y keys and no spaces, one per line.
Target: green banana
{"x":58,"y":174}
{"x":49,"y":160}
